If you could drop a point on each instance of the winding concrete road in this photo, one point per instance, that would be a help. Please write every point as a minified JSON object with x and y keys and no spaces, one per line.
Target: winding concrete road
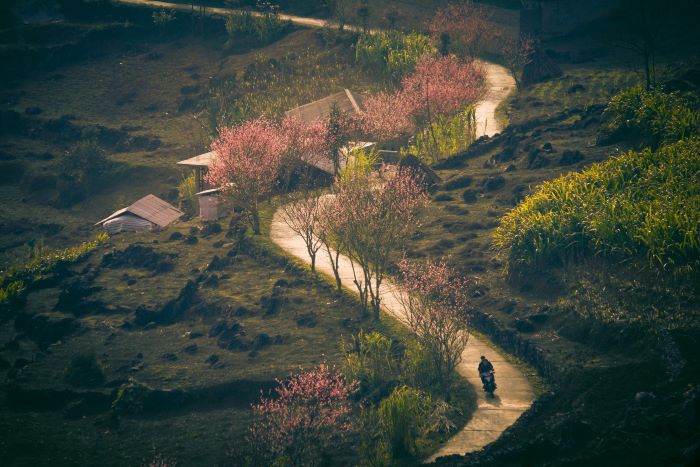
{"x":492,"y":416}
{"x":220,"y":11}
{"x":515,"y":394}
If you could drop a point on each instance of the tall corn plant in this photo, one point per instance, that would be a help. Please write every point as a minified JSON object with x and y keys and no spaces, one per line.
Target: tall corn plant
{"x":641,"y":206}
{"x":445,"y":136}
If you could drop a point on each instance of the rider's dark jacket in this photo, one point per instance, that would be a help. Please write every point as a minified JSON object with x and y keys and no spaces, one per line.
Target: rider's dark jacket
{"x":485,"y":366}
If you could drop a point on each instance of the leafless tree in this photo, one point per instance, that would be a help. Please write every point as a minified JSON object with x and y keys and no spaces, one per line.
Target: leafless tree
{"x":302,"y":217}
{"x":517,"y":53}
{"x":436,"y":307}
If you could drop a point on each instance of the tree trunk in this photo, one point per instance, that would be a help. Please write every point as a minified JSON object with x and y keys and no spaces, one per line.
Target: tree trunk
{"x":255,"y":216}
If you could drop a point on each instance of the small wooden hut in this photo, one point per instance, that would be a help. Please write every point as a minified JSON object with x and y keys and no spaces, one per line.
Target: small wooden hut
{"x":146,"y":214}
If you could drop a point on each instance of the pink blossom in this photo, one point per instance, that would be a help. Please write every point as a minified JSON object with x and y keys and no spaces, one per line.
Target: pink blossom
{"x":438,"y":86}
{"x":252,"y":156}
{"x":372,"y":218}
{"x":388,"y":116}
{"x":248,"y":162}
{"x":310,"y":409}
{"x":466,"y":23}
{"x":436,"y":307}
{"x":442,"y":85}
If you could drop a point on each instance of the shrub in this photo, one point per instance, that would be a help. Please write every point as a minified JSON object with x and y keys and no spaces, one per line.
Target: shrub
{"x":13,"y":293}
{"x":82,"y":171}
{"x":633,"y":206}
{"x":187,"y":194}
{"x":444,"y":137}
{"x":266,"y":27}
{"x":418,"y":366}
{"x":393,"y":53}
{"x":84,"y":371}
{"x":45,"y":261}
{"x":369,"y":360}
{"x":309,"y":412}
{"x":650,"y":117}
{"x":163,"y":18}
{"x":402,"y":416}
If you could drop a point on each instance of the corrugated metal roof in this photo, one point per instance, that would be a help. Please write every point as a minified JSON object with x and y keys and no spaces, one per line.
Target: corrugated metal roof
{"x":151,"y":208}
{"x":211,"y":191}
{"x":346,"y":100}
{"x":203,"y":160}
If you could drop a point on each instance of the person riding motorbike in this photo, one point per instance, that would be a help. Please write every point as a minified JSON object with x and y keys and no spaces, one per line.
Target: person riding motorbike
{"x":486,"y":371}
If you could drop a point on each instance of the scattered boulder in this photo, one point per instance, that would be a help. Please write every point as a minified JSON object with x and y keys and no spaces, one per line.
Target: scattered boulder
{"x":494,"y":183}
{"x":218,"y":264}
{"x":273,"y":304}
{"x":306,"y":320}
{"x":84,"y":371}
{"x":169,"y":357}
{"x":229,"y":335}
{"x":573,"y":89}
{"x":524,"y":325}
{"x":172,"y":311}
{"x":136,"y":398}
{"x":469,"y":196}
{"x":536,"y":160}
{"x":44,"y":328}
{"x":571,"y":157}
{"x":261,"y":341}
{"x":140,"y":256}
{"x":458,"y":182}
{"x":444,"y":197}
{"x":212,"y":359}
{"x":74,"y":298}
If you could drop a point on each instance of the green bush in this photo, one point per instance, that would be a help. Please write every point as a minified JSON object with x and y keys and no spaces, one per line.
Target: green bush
{"x":393,"y":53}
{"x":369,"y":360}
{"x":444,"y":137}
{"x":419,"y":367}
{"x":265,"y":27}
{"x":13,"y":293}
{"x":641,"y":205}
{"x":45,"y":261}
{"x":83,"y":170}
{"x":163,"y":18}
{"x":650,"y":117}
{"x":187,"y":194}
{"x":84,"y":372}
{"x":402,"y":417}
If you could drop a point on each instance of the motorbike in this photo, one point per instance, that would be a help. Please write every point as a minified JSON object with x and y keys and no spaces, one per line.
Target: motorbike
{"x":489,"y":381}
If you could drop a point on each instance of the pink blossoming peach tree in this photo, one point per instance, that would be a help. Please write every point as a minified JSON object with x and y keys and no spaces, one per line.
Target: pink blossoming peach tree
{"x":436,"y":304}
{"x":256,"y":157}
{"x":309,"y":411}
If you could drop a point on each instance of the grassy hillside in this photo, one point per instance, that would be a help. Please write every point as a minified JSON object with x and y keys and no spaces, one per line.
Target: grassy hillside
{"x":149,"y":99}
